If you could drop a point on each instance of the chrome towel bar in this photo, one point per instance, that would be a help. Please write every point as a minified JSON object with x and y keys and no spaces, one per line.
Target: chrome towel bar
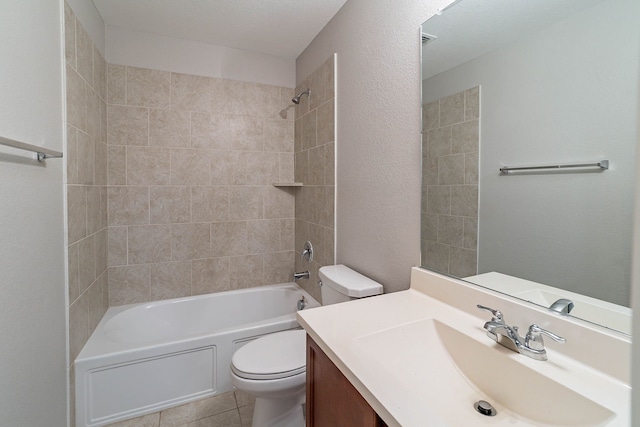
{"x":602,"y":164}
{"x":41,"y":153}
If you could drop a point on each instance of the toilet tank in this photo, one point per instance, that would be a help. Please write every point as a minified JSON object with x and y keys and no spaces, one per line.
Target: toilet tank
{"x":340,"y":284}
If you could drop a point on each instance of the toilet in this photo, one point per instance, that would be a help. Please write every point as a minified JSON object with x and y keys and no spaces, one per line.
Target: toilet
{"x":272,"y":368}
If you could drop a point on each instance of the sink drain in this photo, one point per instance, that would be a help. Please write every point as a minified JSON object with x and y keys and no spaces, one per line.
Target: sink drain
{"x":485,"y":408}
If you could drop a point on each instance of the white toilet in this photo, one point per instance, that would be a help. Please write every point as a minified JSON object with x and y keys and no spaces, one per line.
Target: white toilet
{"x":273,"y":368}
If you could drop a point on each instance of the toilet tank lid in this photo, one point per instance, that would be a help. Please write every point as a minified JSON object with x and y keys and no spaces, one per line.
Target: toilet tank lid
{"x":348,"y":282}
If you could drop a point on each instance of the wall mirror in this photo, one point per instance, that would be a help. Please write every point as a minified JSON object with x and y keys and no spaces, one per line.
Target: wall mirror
{"x":521,"y":83}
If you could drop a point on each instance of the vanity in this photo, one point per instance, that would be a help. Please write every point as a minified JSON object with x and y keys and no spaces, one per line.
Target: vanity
{"x":422,"y":357}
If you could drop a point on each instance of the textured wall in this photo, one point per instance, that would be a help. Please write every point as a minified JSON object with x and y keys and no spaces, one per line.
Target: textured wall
{"x":378,"y":133}
{"x":32,"y":282}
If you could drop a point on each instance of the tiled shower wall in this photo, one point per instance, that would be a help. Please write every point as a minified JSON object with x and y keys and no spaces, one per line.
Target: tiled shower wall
{"x":315,"y":168}
{"x":191,"y":204}
{"x":449,"y":242}
{"x":86,"y":186}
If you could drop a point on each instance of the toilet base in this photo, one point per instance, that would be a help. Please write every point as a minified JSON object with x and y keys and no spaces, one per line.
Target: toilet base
{"x":279,"y":412}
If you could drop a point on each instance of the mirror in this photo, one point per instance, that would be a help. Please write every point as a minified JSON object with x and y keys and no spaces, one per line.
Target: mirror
{"x":521,"y":83}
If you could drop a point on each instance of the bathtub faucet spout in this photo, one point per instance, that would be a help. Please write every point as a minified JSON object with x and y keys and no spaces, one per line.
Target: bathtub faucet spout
{"x":301,"y":275}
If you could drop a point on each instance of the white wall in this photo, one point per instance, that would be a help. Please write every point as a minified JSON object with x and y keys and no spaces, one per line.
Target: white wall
{"x":568,"y":95}
{"x":378,"y":133}
{"x":32,"y":282}
{"x":146,"y":50}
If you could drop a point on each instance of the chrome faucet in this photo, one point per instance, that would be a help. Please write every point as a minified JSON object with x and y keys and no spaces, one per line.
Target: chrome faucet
{"x":562,"y":306}
{"x":532,"y":345}
{"x":301,"y":275}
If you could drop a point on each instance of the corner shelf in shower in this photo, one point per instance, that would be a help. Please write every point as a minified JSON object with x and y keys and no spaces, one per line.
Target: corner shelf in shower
{"x":287,"y":184}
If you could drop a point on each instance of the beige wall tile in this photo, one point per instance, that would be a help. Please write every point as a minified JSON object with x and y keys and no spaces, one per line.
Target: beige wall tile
{"x":472,"y":103}
{"x":439,"y":199}
{"x":183,"y":414}
{"x":465,"y":137}
{"x":84,"y":50}
{"x":148,"y":88}
{"x":73,"y":263}
{"x":263,"y":168}
{"x":148,"y":166}
{"x":69,"y":35}
{"x":329,"y":243}
{"x":190,"y":93}
{"x":303,"y":107}
{"x":450,"y":230}
{"x":326,"y":206}
{"x":264,"y":100}
{"x":97,"y":306}
{"x":278,"y":135}
{"x":169,"y":204}
{"x":127,"y":125}
{"x":99,"y":74}
{"x":430,"y":171}
{"x":76,"y":212}
{"x":93,"y":112}
{"x":279,"y":202}
{"x":209,"y":204}
{"x":128,"y":284}
{"x":246,"y":202}
{"x":326,"y":123}
{"x":76,"y":104}
{"x":246,"y":271}
{"x":210,"y":131}
{"x":431,"y":115}
{"x":232,"y":97}
{"x":117,"y":246}
{"x":100,"y":163}
{"x":228,"y":168}
{"x":87,"y":266}
{"x":315,"y":234}
{"x":229,"y":238}
{"x":464,"y":200}
{"x":439,"y":142}
{"x":72,"y":155}
{"x":287,"y":167}
{"x":190,"y":241}
{"x":116,"y":165}
{"x":471,"y":164}
{"x":471,"y":233}
{"x":210,"y":275}
{"x":452,"y":109}
{"x":190,"y":167}
{"x":170,"y":280}
{"x":309,"y":130}
{"x":429,"y":226}
{"x":278,"y":267}
{"x":128,"y":205}
{"x":463,"y":262}
{"x":168,"y":128}
{"x":451,"y":169}
{"x":307,"y":204}
{"x":85,"y":158}
{"x":302,"y":166}
{"x":94,"y":209}
{"x":316,"y":166}
{"x":287,"y":234}
{"x":102,"y":251}
{"x":297,"y":135}
{"x":103,"y":122}
{"x":149,"y":244}
{"x":78,"y":326}
{"x":437,"y":257}
{"x":246,"y":133}
{"x":217,"y":96}
{"x":116,"y":84}
{"x":263,"y":236}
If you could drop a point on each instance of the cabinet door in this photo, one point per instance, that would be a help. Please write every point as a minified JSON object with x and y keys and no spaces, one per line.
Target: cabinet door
{"x":332,"y":401}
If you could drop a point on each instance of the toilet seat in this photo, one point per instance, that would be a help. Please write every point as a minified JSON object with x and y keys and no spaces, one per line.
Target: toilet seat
{"x":274,"y":356}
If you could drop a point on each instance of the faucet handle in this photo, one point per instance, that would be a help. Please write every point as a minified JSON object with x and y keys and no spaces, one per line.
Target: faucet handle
{"x":497,"y":314}
{"x":534,"y":340}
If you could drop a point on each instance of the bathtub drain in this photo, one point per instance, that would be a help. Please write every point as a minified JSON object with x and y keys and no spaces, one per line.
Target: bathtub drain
{"x":485,"y":408}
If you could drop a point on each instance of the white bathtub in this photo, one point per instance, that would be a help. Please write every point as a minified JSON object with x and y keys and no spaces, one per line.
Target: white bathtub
{"x":143,"y":358}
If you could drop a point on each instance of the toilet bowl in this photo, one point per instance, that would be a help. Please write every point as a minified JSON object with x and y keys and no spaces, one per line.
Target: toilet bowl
{"x":273,"y":368}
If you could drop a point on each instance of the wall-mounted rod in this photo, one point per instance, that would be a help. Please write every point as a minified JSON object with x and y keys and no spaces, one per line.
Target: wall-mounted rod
{"x":41,"y":153}
{"x":602,"y":164}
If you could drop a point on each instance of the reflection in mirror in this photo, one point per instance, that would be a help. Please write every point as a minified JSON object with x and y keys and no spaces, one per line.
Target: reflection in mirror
{"x":529,"y":83}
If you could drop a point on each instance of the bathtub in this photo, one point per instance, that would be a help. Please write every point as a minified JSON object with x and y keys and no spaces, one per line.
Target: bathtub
{"x":143,"y":358}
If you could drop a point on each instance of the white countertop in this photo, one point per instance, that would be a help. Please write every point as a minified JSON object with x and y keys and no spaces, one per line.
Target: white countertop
{"x":399,"y":401}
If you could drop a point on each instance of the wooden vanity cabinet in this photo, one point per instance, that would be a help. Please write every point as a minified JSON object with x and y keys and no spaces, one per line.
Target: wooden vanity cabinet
{"x":332,"y":401}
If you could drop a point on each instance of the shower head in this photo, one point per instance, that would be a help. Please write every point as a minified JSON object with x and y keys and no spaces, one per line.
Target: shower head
{"x":296,"y":99}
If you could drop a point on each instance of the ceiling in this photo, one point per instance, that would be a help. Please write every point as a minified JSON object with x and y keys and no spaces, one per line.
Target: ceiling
{"x":280,"y":28}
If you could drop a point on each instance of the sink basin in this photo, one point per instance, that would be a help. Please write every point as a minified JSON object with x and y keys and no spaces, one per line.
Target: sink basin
{"x":449,"y":371}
